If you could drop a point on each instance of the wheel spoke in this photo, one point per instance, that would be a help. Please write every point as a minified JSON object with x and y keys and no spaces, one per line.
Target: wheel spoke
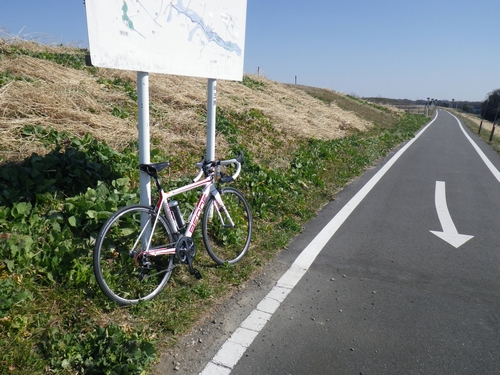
{"x":128,"y":279}
{"x":227,"y":234}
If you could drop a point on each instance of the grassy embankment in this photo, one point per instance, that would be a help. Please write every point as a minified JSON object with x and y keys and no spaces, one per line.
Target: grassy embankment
{"x":68,"y":157}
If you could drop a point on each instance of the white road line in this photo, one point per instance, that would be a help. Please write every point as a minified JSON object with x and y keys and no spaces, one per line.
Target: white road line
{"x":234,"y":348}
{"x":486,"y":161}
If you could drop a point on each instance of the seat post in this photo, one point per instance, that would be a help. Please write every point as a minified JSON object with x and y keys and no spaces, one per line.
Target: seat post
{"x":157,"y":181}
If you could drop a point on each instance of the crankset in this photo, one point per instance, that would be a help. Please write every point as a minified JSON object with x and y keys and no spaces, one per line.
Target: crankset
{"x":185,"y":250}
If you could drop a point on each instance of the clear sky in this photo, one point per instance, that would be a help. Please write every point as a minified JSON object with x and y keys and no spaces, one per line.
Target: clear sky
{"x":403,"y":49}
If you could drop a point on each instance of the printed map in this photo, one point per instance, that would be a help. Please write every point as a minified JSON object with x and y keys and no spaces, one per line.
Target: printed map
{"x":202,"y":38}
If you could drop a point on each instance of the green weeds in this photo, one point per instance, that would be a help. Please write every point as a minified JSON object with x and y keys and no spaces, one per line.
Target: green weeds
{"x":126,"y":110}
{"x":102,"y":350}
{"x":7,"y":77}
{"x":252,"y":83}
{"x":75,"y":60}
{"x":118,"y":83}
{"x":52,"y":208}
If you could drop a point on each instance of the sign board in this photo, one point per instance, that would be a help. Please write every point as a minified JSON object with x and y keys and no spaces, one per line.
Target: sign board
{"x":200,"y":38}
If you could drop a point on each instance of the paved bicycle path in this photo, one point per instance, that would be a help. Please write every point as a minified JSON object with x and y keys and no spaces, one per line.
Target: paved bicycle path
{"x":385,"y":295}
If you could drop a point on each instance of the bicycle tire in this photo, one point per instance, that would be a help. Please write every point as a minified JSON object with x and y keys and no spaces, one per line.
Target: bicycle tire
{"x":124,"y":276}
{"x":227,"y":244}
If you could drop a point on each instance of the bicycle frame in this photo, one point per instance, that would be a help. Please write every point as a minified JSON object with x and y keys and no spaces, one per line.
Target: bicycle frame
{"x":209,"y":189}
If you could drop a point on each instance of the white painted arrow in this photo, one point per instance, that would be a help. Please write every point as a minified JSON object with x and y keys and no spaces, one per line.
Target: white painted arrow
{"x":449,"y":233}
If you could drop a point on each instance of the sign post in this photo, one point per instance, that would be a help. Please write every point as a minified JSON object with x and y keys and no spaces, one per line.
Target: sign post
{"x":211,"y":116}
{"x":143,"y":128}
{"x":203,"y":39}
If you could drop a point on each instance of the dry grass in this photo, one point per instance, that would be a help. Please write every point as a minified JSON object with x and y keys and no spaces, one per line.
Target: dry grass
{"x":486,"y":125}
{"x":66,"y":99}
{"x":294,"y":111}
{"x":379,"y":114}
{"x":50,"y":95}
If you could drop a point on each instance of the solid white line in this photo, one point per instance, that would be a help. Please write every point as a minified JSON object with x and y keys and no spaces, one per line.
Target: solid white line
{"x":234,"y":348}
{"x":485,"y":159}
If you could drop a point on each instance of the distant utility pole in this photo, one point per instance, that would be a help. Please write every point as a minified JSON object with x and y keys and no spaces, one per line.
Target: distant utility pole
{"x":295,"y":79}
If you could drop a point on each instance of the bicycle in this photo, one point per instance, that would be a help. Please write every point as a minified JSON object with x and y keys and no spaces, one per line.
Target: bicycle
{"x":134,"y":252}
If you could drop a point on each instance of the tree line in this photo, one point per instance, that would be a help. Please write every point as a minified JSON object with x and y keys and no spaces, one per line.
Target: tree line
{"x":490,"y":107}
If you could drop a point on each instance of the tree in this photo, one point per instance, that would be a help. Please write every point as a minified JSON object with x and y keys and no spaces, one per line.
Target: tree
{"x":491,"y":105}
{"x":467,"y":108}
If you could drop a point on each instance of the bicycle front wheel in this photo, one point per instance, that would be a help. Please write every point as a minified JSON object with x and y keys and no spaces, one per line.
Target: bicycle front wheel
{"x":122,"y":270}
{"x":226,"y":234}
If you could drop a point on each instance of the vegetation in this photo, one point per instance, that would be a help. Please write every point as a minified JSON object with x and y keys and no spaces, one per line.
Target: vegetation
{"x":53,"y":318}
{"x":490,"y":107}
{"x":380,"y":114}
{"x":487,"y":132}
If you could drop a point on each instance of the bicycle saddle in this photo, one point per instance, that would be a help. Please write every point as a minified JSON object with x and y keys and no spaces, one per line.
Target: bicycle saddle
{"x":153,"y":169}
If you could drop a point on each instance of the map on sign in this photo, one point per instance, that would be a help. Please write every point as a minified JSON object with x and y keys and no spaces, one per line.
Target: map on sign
{"x":201,"y":38}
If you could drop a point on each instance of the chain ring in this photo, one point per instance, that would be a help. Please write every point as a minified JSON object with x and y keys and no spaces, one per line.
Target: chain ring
{"x":185,"y":249}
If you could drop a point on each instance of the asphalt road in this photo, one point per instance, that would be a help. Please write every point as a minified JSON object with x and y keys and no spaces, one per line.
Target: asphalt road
{"x":383,"y":294}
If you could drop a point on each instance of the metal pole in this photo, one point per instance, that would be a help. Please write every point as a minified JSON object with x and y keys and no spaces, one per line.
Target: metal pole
{"x":143,"y":127}
{"x":211,"y":111}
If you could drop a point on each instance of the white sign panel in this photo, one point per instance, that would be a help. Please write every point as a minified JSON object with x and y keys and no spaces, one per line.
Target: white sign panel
{"x":200,"y":38}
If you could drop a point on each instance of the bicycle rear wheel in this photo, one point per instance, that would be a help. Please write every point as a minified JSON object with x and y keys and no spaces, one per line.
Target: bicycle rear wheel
{"x":123,"y":273}
{"x":223,"y":241}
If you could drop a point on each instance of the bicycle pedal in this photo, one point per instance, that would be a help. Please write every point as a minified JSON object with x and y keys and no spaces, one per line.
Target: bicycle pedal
{"x":197,"y":274}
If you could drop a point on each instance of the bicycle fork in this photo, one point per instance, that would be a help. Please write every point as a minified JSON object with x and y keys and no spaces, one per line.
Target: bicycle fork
{"x":220,"y":208}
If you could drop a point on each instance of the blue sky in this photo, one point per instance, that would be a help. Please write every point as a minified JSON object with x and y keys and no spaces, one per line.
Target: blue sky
{"x":410,"y":49}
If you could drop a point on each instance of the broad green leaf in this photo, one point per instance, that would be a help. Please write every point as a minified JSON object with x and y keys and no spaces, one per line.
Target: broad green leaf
{"x":21,"y":209}
{"x":91,"y":214}
{"x":72,"y":221}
